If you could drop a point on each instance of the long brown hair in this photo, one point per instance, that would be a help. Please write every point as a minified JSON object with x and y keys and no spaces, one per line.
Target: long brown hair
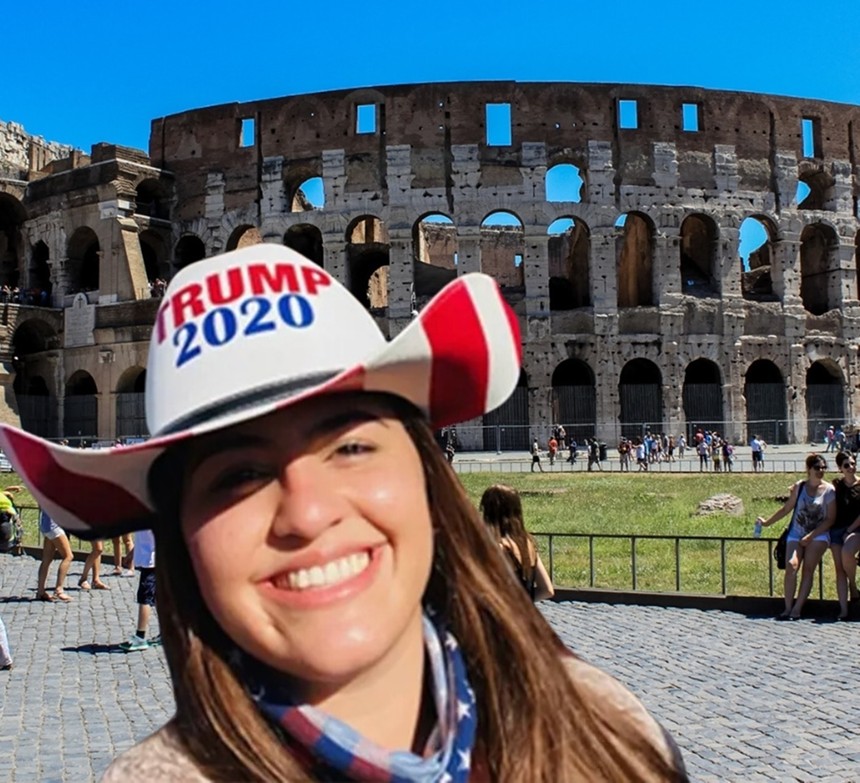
{"x":535,"y":722}
{"x":502,"y":510}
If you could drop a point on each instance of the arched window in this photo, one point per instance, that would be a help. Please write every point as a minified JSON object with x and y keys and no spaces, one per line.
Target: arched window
{"x":307,"y":240}
{"x":130,"y":410}
{"x":767,"y":409}
{"x":436,"y":254}
{"x":574,"y":399}
{"x":814,"y":189}
{"x":819,"y":267}
{"x":507,"y":427}
{"x":40,"y":273}
{"x":635,"y":260}
{"x":84,"y":254}
{"x":12,"y":217}
{"x":309,"y":195}
{"x":698,"y":256}
{"x":244,"y":236}
{"x":640,"y":391}
{"x":152,"y":200}
{"x":703,"y":397}
{"x":825,"y":399}
{"x":154,"y":252}
{"x":81,"y":407}
{"x":569,"y":273}
{"x":757,"y":238}
{"x":503,"y":249}
{"x":368,"y":259}
{"x":189,"y":248}
{"x":564,"y":183}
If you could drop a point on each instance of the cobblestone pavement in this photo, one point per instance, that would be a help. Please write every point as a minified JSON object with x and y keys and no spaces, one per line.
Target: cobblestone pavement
{"x":747,"y":699}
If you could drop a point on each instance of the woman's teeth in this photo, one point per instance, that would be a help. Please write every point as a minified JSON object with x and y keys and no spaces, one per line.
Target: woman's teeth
{"x":325,"y":575}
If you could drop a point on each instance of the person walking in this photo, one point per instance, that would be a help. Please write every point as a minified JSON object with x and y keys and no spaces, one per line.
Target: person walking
{"x":552,"y":450}
{"x":54,"y":542}
{"x":144,"y":563}
{"x":536,"y":456}
{"x":812,"y":505}
{"x":93,"y":565}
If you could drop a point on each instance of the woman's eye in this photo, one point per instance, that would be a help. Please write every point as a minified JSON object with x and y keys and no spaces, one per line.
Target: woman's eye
{"x":238,"y":477}
{"x":353,"y":448}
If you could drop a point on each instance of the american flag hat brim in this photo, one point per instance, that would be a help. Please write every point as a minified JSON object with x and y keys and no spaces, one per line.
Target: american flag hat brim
{"x":457,"y":359}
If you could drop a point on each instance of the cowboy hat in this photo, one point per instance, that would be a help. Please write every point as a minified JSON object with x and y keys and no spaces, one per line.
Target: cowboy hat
{"x":252,"y":331}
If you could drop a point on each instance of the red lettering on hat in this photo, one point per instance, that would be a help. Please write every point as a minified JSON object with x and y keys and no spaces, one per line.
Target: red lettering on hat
{"x":215,"y":290}
{"x":266,"y":279}
{"x":313,"y":278}
{"x":160,"y":327}
{"x":187,"y":298}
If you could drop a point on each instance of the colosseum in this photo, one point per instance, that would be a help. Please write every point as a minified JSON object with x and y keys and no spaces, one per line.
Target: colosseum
{"x":610,"y":215}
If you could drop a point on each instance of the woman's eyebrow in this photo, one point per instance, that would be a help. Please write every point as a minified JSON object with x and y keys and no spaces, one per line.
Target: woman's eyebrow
{"x":219,"y":444}
{"x":342,"y":420}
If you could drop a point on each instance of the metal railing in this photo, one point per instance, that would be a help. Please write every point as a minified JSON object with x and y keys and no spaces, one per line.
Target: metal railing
{"x":628,"y":548}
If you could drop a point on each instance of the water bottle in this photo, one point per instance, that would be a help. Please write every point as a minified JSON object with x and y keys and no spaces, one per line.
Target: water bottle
{"x":757,"y":529}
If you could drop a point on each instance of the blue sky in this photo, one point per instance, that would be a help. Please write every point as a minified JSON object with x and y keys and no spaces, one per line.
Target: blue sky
{"x":84,"y":72}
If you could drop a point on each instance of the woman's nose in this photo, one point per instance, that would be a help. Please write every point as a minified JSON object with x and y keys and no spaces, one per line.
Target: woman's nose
{"x":309,"y":500}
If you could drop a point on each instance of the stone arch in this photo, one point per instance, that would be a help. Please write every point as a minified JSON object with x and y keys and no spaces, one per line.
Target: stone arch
{"x":244,"y":235}
{"x":189,"y":248}
{"x":435,"y":253}
{"x":564,"y":182}
{"x":819,"y":262}
{"x":84,"y":259}
{"x":154,"y":251}
{"x":12,"y":217}
{"x":569,"y":248}
{"x":152,"y":199}
{"x":367,"y":259}
{"x":698,"y":261}
{"x":703,"y":396}
{"x":640,"y":392}
{"x":307,"y":240}
{"x":758,"y":237}
{"x":37,"y":407}
{"x":825,"y":398}
{"x":81,"y":407}
{"x":502,"y":249}
{"x":309,"y":195}
{"x":40,"y":271}
{"x":635,"y":254}
{"x":130,"y":403}
{"x":507,"y":427}
{"x":766,"y":404}
{"x":574,"y":399}
{"x":814,"y":188}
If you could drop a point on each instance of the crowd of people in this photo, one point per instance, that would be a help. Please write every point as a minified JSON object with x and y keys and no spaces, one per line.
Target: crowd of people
{"x":27,"y":296}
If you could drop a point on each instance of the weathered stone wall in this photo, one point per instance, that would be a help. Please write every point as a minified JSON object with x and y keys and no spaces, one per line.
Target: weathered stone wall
{"x":22,"y":154}
{"x":656,"y":306}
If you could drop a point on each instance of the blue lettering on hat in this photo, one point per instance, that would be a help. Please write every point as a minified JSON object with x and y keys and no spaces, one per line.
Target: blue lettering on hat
{"x":222,"y":325}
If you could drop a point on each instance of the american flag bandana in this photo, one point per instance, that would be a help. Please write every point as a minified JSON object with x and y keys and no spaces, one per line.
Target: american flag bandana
{"x":335,"y":751}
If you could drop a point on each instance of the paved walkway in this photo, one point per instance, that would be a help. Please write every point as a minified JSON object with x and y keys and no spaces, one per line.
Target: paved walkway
{"x":748,"y":699}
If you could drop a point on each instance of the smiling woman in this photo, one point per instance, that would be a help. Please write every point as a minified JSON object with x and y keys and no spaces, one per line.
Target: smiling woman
{"x":332,"y":606}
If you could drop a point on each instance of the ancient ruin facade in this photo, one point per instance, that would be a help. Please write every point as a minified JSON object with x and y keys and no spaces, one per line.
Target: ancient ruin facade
{"x":610,"y":215}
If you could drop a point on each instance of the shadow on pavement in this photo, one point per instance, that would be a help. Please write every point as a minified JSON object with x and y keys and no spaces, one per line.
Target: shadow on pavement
{"x":93,"y":649}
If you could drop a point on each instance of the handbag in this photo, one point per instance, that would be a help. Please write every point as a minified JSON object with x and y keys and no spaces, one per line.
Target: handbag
{"x":779,"y":551}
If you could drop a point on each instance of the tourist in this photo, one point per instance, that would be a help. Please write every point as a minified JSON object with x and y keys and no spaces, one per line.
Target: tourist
{"x":503,"y":512}
{"x":536,"y":456}
{"x":847,"y":488}
{"x":682,"y":445}
{"x":143,"y":553}
{"x":54,"y":542}
{"x":331,"y":605}
{"x":757,"y":446}
{"x":123,"y":566}
{"x":92,"y":565}
{"x":812,"y":505}
{"x":552,"y":450}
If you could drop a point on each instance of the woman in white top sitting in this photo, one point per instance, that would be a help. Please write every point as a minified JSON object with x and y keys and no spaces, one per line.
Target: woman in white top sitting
{"x":813,"y":503}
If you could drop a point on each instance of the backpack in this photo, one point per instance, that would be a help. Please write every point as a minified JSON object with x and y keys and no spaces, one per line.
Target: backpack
{"x":9,"y":532}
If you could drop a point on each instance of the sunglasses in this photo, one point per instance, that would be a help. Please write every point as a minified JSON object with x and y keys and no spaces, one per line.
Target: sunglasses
{"x":820,"y":466}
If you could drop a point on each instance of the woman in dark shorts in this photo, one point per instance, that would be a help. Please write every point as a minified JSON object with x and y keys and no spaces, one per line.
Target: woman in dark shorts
{"x":331,"y":603}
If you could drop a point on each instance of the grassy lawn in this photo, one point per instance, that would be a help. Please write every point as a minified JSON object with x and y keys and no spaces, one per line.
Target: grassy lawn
{"x":651,"y":504}
{"x":627,"y":504}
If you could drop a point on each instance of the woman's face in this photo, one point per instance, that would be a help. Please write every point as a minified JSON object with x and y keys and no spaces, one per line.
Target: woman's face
{"x":310,"y":536}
